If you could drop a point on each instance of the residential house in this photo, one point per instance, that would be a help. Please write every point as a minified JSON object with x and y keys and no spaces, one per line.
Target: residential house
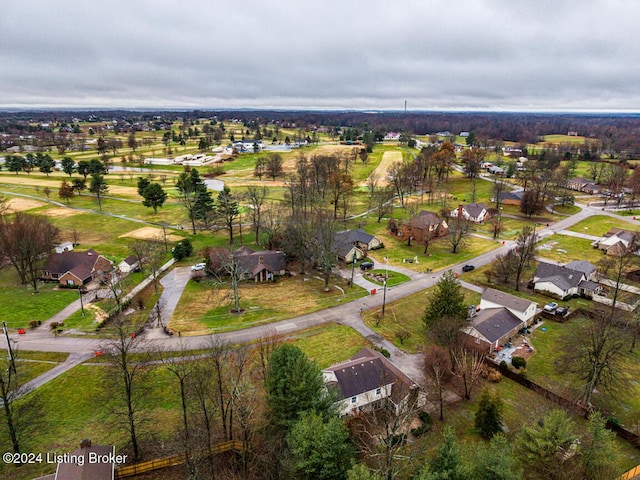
{"x":511,"y":198}
{"x":129,"y":264}
{"x":495,"y":170}
{"x":361,"y":240}
{"x":368,"y":381}
{"x":499,"y":317}
{"x":73,"y":268}
{"x":392,"y":136}
{"x":580,"y":184}
{"x":81,"y":464}
{"x":616,"y":241}
{"x":64,"y":247}
{"x":425,"y":224}
{"x":473,"y":212}
{"x":562,"y":281}
{"x":261,"y":266}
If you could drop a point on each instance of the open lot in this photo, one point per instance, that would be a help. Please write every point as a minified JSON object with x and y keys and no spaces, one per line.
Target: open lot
{"x":598,"y":225}
{"x":151,"y":233}
{"x":19,"y":204}
{"x":205,"y":306}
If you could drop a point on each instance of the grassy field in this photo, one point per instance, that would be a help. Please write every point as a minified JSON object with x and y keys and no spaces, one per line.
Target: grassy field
{"x":205,"y":306}
{"x":598,"y":225}
{"x":317,"y":343}
{"x":406,"y":314}
{"x":20,"y":305}
{"x":377,"y":276}
{"x":563,"y":248}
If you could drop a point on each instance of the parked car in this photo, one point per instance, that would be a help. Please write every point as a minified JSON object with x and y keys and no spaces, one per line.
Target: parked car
{"x":562,"y":311}
{"x":550,"y":307}
{"x":468,"y":268}
{"x":366,"y":266}
{"x":198,"y":266}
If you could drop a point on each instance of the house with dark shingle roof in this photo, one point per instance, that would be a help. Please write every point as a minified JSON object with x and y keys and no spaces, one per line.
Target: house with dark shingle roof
{"x":368,"y":381}
{"x":511,"y":198}
{"x":83,"y":464}
{"x":562,"y":281}
{"x":74,"y":268}
{"x":425,"y":224}
{"x":261,"y":266}
{"x":350,"y":244}
{"x":616,"y":241}
{"x":129,"y":264}
{"x":474,"y":212}
{"x":499,"y":318}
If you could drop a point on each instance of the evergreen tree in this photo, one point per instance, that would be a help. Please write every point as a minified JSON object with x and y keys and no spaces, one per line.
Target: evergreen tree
{"x":446,"y":301}
{"x":154,"y":196}
{"x":294,"y":385}
{"x":447,"y":464}
{"x":143,"y":182}
{"x":488,"y":420}
{"x":599,"y":452}
{"x":227,"y":209}
{"x":320,"y":450}
{"x":495,"y":461}
{"x":68,"y":165}
{"x":98,"y":187}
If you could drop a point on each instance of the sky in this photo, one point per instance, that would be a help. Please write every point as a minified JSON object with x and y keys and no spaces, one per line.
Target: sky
{"x":492,"y":55}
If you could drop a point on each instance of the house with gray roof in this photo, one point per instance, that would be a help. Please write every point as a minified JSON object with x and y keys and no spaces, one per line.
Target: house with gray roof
{"x":616,"y":241}
{"x":259,"y":266}
{"x":368,"y":381}
{"x":499,"y":317}
{"x":563,"y":281}
{"x":350,"y":244}
{"x":473,"y":212}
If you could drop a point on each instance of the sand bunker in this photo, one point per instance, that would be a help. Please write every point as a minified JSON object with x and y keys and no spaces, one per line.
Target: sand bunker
{"x":17,"y":204}
{"x":151,"y":233}
{"x":61,"y":212}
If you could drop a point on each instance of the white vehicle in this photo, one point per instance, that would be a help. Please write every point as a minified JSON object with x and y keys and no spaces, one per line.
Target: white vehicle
{"x":550,"y":307}
{"x":198,"y":266}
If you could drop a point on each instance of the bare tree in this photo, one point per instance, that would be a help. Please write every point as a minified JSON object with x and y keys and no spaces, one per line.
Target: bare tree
{"x":26,"y":241}
{"x":256,"y":197}
{"x":524,"y":251}
{"x":228,"y":269}
{"x":437,"y":365}
{"x":458,"y":231}
{"x":468,"y":364}
{"x":125,"y":379}
{"x":595,"y":356}
{"x":617,"y":265}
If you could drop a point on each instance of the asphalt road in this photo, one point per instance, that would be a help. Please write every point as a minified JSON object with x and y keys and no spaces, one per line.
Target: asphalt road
{"x":347,"y":314}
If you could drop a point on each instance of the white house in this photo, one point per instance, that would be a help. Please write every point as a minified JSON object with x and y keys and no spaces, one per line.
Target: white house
{"x":499,"y":317}
{"x":562,"y":281}
{"x":129,"y":264}
{"x":474,"y":212}
{"x":495,"y":170}
{"x":64,"y":247}
{"x":367,"y":381}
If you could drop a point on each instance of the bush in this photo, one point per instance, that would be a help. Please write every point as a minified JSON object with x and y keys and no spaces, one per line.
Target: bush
{"x":53,"y":325}
{"x":518,"y":362}
{"x":183,"y":249}
{"x":383,"y":351}
{"x":494,"y":376}
{"x":33,"y":323}
{"x":504,"y":364}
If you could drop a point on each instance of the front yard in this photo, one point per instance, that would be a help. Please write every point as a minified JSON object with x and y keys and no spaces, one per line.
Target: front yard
{"x":205,"y":306}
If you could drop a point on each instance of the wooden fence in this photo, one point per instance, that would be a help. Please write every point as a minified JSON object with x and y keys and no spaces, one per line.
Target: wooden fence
{"x":141,"y":468}
{"x":631,"y":474}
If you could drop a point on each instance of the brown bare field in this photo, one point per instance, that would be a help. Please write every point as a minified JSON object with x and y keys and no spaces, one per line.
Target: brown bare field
{"x":55,"y":184}
{"x":61,"y":212}
{"x":150,"y":233}
{"x":388,"y":158}
{"x":17,"y":204}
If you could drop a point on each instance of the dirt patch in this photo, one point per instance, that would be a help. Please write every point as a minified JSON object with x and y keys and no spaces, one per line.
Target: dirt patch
{"x":388,"y":158}
{"x":150,"y":233}
{"x":61,"y":212}
{"x":17,"y":204}
{"x":98,"y":313}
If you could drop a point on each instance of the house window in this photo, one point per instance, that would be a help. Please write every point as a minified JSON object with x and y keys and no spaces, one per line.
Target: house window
{"x":378,"y":391}
{"x":70,"y":283}
{"x":353,"y":399}
{"x":55,"y":275}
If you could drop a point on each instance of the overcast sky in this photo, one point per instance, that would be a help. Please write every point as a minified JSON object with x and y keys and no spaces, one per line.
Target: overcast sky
{"x":466,"y":55}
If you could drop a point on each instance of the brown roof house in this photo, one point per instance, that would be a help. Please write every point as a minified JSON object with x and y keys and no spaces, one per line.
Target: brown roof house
{"x":369,"y":381}
{"x":75,"y":268}
{"x":617,"y":241}
{"x":425,"y":224}
{"x":261,"y":266}
{"x":499,"y":318}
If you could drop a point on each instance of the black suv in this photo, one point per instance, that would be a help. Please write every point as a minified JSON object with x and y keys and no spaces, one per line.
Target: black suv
{"x":468,"y":268}
{"x":366,"y":266}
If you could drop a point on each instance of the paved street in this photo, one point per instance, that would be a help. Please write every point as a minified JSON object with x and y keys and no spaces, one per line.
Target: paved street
{"x":174,"y":282}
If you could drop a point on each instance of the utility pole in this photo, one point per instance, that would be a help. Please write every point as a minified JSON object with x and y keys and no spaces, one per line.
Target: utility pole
{"x":384,"y":287}
{"x":81,"y":303}
{"x":11,"y":357}
{"x":353,"y":266}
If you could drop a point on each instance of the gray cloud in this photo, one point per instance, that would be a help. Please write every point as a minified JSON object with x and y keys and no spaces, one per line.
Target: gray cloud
{"x":484,"y":54}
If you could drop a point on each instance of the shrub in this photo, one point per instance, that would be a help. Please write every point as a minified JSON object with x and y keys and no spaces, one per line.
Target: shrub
{"x":53,"y":325}
{"x":383,"y":351}
{"x":183,"y":249}
{"x":33,"y":323}
{"x":518,"y":362}
{"x":494,"y":376}
{"x":504,"y":364}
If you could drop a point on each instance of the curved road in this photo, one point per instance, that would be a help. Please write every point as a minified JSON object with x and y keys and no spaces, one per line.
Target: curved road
{"x":346,"y":314}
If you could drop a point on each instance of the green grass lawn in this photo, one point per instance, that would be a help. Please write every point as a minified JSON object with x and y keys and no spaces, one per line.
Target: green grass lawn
{"x":319,"y":343}
{"x":563,"y":248}
{"x":600,"y":224}
{"x":20,"y":305}
{"x":205,"y":306}
{"x":393,"y":278}
{"x":406,"y":314}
